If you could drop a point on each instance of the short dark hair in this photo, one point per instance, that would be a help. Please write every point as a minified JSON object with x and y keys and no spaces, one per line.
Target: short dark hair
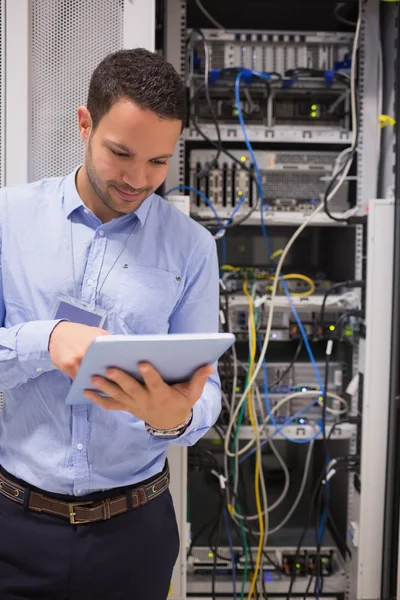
{"x":144,"y":77}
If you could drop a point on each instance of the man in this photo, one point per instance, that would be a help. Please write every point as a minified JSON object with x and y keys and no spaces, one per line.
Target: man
{"x":94,"y":253}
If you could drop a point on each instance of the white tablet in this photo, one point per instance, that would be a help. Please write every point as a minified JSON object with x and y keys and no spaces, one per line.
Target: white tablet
{"x":175,"y":356}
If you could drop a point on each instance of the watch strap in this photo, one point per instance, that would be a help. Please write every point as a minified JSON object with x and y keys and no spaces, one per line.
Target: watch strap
{"x":173,"y":432}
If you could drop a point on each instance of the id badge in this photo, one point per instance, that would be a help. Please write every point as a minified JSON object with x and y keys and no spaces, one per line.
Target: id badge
{"x":79,"y":313}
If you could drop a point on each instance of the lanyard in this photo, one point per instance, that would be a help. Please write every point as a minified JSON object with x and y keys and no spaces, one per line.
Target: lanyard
{"x":108,"y":272}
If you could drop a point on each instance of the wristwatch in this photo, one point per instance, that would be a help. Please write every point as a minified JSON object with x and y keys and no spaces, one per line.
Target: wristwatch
{"x":170,"y":433}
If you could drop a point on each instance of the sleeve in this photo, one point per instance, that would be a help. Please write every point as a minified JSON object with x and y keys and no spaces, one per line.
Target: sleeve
{"x":23,"y":348}
{"x":198,"y":312}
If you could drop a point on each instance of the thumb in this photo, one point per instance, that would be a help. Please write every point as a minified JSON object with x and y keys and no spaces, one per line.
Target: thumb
{"x":199,"y":380}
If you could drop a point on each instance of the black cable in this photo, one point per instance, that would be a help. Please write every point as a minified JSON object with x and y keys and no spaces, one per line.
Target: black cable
{"x":290,"y":366}
{"x":348,"y":284}
{"x":331,"y":185}
{"x":252,"y":178}
{"x":317,"y":490}
{"x":207,"y":89}
{"x":306,"y":596}
{"x":326,"y":495}
{"x":337,"y":533}
{"x":215,"y":551}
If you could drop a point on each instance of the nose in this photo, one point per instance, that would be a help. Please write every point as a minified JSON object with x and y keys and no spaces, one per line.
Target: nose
{"x":136,"y":178}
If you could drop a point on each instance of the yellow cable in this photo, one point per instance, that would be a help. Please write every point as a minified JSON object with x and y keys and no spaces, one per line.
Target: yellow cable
{"x":385,"y":120}
{"x":286,"y":277}
{"x":276,"y":254}
{"x":303,"y":278}
{"x":254,"y":425}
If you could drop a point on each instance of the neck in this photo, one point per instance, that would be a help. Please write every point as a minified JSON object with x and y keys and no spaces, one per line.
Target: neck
{"x":90,"y":199}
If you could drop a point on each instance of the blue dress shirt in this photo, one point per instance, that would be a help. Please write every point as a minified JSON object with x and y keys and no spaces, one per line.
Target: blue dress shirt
{"x":165,"y":280}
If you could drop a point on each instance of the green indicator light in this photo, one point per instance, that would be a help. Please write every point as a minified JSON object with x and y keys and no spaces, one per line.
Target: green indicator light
{"x":240,"y":193}
{"x":236,"y":112}
{"x":298,"y":566}
{"x":313,"y":114}
{"x":216,"y":441}
{"x":210,"y":555}
{"x":314,"y":107}
{"x":332,"y":328}
{"x":243,"y":158}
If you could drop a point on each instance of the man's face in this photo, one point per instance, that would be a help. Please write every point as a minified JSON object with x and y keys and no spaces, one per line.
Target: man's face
{"x":128,"y":154}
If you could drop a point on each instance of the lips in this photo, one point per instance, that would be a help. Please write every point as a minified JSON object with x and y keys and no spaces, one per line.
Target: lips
{"x":128,"y":195}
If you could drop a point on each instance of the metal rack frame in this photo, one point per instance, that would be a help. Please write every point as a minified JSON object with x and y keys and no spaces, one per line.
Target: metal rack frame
{"x":363,"y":578}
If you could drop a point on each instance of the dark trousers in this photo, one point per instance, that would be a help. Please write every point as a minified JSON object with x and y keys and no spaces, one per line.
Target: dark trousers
{"x":129,"y":557}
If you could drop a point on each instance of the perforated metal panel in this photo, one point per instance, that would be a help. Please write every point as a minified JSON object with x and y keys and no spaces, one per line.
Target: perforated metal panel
{"x":69,"y":38}
{"x":2,"y":98}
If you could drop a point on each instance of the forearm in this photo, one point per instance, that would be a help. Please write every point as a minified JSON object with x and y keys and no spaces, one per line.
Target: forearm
{"x":24,"y":352}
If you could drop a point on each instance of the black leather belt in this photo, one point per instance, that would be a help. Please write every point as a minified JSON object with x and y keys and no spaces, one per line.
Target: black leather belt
{"x":79,"y":513}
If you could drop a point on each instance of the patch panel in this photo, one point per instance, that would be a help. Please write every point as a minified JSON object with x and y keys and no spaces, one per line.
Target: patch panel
{"x":274,"y":51}
{"x":291,"y":181}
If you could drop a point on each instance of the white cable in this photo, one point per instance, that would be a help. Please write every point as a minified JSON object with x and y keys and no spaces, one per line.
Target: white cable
{"x":235,"y":371}
{"x":306,"y":223}
{"x":285,"y":471}
{"x":279,"y":459}
{"x":301,"y":490}
{"x":225,"y":401}
{"x":295,"y":503}
{"x":207,"y":14}
{"x":278,"y":405}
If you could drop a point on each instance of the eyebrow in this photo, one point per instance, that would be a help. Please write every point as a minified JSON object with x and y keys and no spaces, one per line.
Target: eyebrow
{"x":128,"y":151}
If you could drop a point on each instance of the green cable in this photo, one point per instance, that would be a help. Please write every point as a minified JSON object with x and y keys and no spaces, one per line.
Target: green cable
{"x":242,"y":530}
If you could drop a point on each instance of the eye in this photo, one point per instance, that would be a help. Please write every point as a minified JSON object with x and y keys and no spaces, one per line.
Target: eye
{"x":159,"y":162}
{"x":118,"y":153}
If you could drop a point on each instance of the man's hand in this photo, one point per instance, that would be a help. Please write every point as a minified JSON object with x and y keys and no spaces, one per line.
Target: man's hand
{"x":68,"y":345}
{"x":155,"y":402}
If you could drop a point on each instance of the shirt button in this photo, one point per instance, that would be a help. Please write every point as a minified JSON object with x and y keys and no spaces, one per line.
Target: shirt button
{"x":79,"y":491}
{"x":90,"y":281}
{"x":101,"y":233}
{"x":85,"y":210}
{"x":39,"y":370}
{"x":80,"y":446}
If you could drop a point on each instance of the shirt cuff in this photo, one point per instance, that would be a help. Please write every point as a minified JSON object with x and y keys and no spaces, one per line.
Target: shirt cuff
{"x":33,"y":347}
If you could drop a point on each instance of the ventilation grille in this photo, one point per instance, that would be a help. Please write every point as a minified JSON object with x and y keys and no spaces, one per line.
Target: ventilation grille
{"x":69,"y":38}
{"x":300,"y":186}
{"x":2,"y":97}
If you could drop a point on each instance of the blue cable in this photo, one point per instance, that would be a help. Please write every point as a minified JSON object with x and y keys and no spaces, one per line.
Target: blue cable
{"x":210,"y":204}
{"x":270,"y":413}
{"x":263,"y":228}
{"x":228,"y":535}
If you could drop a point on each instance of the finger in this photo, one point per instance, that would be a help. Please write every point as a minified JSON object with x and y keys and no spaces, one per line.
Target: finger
{"x":151,"y":377}
{"x":199,"y":380}
{"x":106,"y":403}
{"x":108,"y":387}
{"x":126,"y":382}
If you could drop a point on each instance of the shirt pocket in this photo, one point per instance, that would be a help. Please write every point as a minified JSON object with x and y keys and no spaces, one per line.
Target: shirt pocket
{"x":146,"y":298}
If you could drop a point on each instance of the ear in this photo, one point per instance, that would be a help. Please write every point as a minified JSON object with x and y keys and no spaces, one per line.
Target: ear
{"x":84,"y":123}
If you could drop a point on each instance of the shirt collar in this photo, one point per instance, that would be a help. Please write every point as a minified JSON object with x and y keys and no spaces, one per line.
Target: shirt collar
{"x":72,"y":200}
